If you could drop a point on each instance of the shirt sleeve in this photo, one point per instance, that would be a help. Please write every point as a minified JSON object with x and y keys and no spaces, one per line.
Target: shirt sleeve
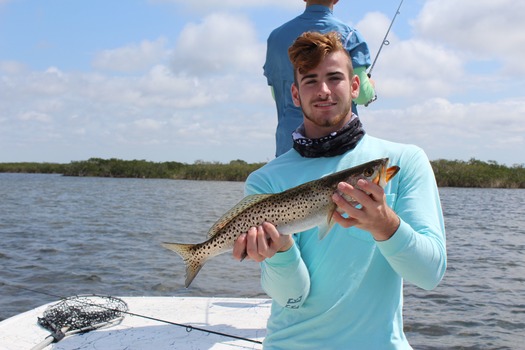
{"x":358,"y":50}
{"x":285,"y":278}
{"x":417,"y":250}
{"x":357,"y":47}
{"x":366,"y":90}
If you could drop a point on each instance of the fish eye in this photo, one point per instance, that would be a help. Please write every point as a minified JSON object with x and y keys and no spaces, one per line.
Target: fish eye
{"x":368,"y":172}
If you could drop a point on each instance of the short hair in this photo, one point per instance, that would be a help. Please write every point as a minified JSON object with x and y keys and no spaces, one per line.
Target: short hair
{"x":310,"y":48}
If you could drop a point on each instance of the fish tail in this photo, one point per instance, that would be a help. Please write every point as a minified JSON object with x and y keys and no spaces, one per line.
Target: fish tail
{"x":193,"y":261}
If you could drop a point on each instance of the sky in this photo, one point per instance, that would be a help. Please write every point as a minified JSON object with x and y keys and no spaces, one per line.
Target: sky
{"x":173,"y":80}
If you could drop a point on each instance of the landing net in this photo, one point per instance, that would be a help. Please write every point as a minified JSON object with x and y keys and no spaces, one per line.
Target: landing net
{"x":83,"y":313}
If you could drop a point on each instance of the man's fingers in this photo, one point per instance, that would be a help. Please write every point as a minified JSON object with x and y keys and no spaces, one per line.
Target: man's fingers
{"x":341,"y":220}
{"x":262,"y":241}
{"x":239,"y":248}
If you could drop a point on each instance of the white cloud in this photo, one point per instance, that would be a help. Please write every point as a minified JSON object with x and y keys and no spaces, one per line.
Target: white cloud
{"x":412,"y":69}
{"x":34,"y":116}
{"x":455,"y":130}
{"x":220,"y":43}
{"x":131,"y":58}
{"x":12,"y":67}
{"x":161,"y":87}
{"x":373,"y":27}
{"x":486,"y":29}
{"x":416,"y":69}
{"x":136,"y":114}
{"x":148,"y":124}
{"x":449,"y":55}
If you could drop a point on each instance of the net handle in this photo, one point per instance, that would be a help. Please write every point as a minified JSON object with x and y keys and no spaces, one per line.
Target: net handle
{"x":61,"y":334}
{"x":55,"y":337}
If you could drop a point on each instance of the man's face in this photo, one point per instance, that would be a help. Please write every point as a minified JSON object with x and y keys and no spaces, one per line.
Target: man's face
{"x":325,"y":95}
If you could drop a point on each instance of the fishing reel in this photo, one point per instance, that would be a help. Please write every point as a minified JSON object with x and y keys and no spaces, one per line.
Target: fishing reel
{"x":372,"y":100}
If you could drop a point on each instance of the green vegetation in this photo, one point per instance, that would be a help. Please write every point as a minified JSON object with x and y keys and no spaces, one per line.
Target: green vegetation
{"x":476,"y":173}
{"x":449,"y":173}
{"x":123,"y":168}
{"x":32,"y":168}
{"x":236,"y":170}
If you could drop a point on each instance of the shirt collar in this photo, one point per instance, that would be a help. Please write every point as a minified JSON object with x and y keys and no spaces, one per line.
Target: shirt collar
{"x":318,"y":8}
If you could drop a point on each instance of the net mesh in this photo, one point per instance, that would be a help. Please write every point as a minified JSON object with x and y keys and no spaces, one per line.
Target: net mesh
{"x":83,"y":312}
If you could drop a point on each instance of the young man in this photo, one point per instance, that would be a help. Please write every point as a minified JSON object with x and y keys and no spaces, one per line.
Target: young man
{"x":345,"y":291}
{"x":318,"y":16}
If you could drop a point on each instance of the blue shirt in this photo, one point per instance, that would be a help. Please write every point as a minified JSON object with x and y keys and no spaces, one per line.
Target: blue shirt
{"x":279,"y":70}
{"x":346,"y":291}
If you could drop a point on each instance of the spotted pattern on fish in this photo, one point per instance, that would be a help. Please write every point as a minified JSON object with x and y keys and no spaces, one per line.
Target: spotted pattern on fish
{"x":292,"y":211}
{"x":247,"y":202}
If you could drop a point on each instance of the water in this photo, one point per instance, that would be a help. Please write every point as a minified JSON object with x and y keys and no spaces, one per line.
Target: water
{"x":65,"y":236}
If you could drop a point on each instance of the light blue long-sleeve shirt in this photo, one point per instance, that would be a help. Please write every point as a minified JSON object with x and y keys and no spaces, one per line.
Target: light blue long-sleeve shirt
{"x":279,"y":71}
{"x":346,"y":291}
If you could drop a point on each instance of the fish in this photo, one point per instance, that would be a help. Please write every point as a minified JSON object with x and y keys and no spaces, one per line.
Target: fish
{"x":292,"y":211}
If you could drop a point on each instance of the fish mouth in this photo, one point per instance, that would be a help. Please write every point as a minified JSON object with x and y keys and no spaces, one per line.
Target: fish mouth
{"x":385,"y":174}
{"x":391,"y":172}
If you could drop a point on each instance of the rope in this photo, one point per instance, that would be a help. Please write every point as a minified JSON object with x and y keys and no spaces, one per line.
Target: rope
{"x":188,"y":328}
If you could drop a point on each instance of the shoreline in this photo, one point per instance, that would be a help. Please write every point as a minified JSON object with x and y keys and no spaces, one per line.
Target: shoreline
{"x":449,"y":173}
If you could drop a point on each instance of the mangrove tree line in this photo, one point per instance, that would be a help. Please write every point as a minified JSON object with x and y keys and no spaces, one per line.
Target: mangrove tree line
{"x":449,"y":173}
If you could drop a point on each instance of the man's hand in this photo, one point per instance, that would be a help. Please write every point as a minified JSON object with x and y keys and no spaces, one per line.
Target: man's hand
{"x":261,"y":242}
{"x":368,"y":212}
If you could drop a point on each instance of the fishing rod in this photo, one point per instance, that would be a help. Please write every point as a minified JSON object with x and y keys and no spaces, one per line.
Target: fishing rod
{"x":385,"y":40}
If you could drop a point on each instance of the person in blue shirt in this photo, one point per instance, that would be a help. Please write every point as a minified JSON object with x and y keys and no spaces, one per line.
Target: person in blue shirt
{"x":346,"y":290}
{"x":318,"y":16}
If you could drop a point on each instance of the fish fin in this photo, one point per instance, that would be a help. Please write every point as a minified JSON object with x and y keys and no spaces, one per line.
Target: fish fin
{"x":324,"y":229}
{"x":246,"y":202}
{"x":326,"y":226}
{"x":193,"y":262}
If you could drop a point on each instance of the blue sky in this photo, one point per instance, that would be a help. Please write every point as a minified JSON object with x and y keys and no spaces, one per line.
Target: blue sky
{"x":173,"y":80}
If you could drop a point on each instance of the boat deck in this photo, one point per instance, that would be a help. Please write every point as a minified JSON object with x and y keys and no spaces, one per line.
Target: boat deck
{"x":239,"y":317}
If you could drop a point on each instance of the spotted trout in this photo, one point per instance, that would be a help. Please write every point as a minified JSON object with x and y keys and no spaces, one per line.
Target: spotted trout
{"x":292,"y":211}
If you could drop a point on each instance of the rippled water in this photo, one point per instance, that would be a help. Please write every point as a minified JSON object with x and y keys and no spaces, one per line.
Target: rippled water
{"x":63,"y":236}
{"x":480,"y":303}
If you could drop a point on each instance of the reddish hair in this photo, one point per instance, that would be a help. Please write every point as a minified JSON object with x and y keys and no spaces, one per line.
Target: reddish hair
{"x":310,"y":48}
